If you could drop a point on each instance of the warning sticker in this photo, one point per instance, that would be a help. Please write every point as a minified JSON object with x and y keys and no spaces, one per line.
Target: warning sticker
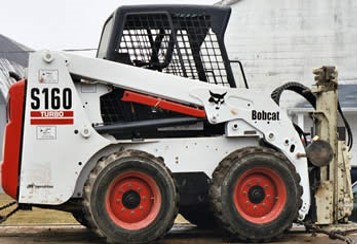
{"x":48,"y":76}
{"x":46,"y":133}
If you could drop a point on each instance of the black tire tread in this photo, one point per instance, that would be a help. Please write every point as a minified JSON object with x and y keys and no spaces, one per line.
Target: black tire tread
{"x":215,"y":191}
{"x":101,"y":164}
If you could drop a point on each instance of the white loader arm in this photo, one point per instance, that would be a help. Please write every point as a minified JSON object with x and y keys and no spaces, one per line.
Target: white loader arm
{"x":251,"y":110}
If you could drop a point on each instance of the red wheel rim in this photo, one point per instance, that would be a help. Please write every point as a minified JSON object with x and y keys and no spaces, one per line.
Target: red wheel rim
{"x":133,"y":200}
{"x":260,"y":195}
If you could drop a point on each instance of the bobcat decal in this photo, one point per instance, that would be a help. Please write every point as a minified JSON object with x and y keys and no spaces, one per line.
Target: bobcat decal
{"x":217,"y":99}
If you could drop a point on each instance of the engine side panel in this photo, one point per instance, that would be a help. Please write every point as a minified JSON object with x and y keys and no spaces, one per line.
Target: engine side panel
{"x":58,"y":138}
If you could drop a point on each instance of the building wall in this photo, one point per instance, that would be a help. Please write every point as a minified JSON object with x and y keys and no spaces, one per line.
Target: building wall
{"x":279,"y":40}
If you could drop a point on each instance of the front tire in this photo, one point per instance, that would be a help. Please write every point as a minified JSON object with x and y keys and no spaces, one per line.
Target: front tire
{"x":130,"y":197}
{"x":256,"y":194}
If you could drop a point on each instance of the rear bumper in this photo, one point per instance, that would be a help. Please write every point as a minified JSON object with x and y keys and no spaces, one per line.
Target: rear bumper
{"x":13,"y":139}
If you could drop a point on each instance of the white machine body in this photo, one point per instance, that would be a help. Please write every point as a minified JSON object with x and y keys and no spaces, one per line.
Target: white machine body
{"x":60,"y":144}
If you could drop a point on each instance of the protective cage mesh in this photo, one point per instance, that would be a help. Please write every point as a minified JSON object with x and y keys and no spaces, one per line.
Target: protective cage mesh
{"x":179,"y":44}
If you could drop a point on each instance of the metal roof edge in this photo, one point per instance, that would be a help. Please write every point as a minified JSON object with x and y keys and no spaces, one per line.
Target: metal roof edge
{"x":308,"y":110}
{"x":227,"y":2}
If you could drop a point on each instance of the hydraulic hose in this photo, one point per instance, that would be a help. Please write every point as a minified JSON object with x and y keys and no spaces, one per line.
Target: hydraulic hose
{"x":310,"y":97}
{"x":14,"y":75}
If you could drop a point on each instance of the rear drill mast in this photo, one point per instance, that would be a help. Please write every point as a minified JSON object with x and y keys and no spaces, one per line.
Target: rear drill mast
{"x":334,"y":199}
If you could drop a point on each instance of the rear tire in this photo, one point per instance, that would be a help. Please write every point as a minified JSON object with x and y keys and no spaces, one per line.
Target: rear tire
{"x":256,"y":194}
{"x":130,"y":197}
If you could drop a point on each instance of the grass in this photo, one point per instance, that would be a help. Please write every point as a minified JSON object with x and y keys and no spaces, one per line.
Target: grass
{"x":36,"y":216}
{"x":43,"y":216}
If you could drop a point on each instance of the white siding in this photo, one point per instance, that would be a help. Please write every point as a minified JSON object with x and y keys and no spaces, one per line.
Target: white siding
{"x":279,"y":40}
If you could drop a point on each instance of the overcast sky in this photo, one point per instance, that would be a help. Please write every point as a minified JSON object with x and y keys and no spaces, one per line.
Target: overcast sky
{"x":63,"y":24}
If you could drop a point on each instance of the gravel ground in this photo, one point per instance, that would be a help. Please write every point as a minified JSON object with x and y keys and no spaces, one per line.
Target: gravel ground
{"x":180,"y":233}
